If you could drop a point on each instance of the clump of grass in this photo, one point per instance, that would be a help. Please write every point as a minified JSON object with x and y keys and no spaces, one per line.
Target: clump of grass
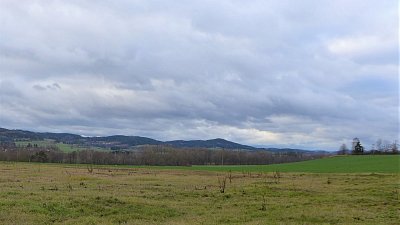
{"x":277,"y":176}
{"x":69,"y":187}
{"x":328,"y":181}
{"x":53,"y":188}
{"x":264,"y":203}
{"x":89,"y":168}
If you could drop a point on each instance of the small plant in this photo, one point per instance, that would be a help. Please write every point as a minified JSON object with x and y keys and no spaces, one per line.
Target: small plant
{"x":68,"y":173}
{"x":83,"y":185}
{"x":200,"y":188}
{"x":396,"y":194}
{"x":277,"y":176}
{"x":222,"y":184}
{"x":54,"y":188}
{"x":90,"y":168}
{"x":230,"y":176}
{"x":69,"y":186}
{"x":264,"y":204}
{"x":329,"y":181}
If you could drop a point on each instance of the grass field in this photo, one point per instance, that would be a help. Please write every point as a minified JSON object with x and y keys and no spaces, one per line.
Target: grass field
{"x":34,"y":193}
{"x":335,"y":164}
{"x":61,"y":146}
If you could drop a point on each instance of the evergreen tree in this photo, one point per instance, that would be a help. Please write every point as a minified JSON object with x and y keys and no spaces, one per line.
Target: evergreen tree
{"x":358,"y":149}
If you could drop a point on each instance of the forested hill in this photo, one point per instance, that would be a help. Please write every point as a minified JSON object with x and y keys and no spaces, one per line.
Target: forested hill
{"x":119,"y":141}
{"x":213,"y":143}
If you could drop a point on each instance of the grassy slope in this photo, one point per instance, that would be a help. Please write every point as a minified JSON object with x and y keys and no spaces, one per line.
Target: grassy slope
{"x":63,"y":147}
{"x":336,"y":164}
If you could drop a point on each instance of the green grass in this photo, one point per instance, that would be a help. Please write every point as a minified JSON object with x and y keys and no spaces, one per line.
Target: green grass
{"x":43,"y":143}
{"x":63,"y":147}
{"x":35,"y":193}
{"x":335,"y":164}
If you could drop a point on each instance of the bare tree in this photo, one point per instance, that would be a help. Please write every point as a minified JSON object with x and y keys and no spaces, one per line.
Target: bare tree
{"x":222,"y":184}
{"x":379,"y":145}
{"x":343,"y":150}
{"x":395,"y":148}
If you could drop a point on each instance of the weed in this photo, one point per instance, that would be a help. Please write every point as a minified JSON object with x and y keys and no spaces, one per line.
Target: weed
{"x":277,"y":176}
{"x":82,"y":184}
{"x":54,"y":188}
{"x":222,"y":184}
{"x":264,"y":203}
{"x":230,"y":176}
{"x":89,"y":168}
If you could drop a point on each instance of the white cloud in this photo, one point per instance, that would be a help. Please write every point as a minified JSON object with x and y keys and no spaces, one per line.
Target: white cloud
{"x":362,"y":45}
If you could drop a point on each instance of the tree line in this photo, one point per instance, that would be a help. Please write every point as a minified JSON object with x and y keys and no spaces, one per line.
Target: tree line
{"x":380,"y":147}
{"x":151,"y":155}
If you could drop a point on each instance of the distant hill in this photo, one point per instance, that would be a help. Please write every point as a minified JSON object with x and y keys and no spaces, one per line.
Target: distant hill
{"x":126,"y":140}
{"x":18,"y":134}
{"x":116,"y":142}
{"x":213,"y":143}
{"x":294,"y":150}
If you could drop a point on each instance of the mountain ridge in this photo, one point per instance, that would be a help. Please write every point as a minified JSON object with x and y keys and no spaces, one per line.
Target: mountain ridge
{"x":116,"y":142}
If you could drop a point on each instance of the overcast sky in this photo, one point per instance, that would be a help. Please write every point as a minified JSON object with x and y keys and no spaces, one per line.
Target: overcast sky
{"x":310,"y":74}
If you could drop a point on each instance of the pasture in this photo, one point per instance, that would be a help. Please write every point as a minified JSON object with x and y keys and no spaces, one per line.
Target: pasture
{"x":334,"y":164}
{"x":61,"y":146}
{"x":34,"y":193}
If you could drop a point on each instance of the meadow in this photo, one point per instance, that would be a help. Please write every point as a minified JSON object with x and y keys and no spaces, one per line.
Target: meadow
{"x":61,"y":146}
{"x":334,"y":164}
{"x":320,"y":193}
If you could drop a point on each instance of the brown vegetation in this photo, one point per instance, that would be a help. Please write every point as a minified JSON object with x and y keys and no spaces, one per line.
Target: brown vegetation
{"x":150,"y":155}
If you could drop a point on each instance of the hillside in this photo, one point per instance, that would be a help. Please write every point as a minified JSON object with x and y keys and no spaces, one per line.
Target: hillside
{"x":116,"y":141}
{"x":213,"y":143}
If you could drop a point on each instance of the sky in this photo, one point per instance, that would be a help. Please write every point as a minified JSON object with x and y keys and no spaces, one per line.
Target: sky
{"x":302,"y":74}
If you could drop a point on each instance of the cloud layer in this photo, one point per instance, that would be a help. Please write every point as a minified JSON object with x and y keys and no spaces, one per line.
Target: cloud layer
{"x":309,"y":74}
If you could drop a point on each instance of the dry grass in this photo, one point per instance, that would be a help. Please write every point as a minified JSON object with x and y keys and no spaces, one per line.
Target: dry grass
{"x":61,"y":194}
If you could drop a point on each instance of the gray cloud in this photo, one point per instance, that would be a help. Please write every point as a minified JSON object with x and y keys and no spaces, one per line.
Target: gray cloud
{"x":277,"y":73}
{"x":53,"y":86}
